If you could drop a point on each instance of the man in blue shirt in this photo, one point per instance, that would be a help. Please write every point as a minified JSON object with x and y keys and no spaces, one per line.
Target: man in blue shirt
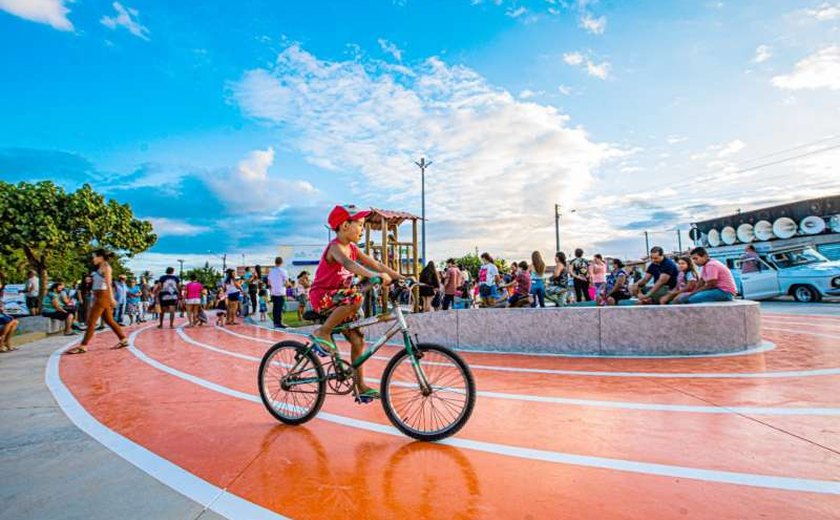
{"x":663,"y":271}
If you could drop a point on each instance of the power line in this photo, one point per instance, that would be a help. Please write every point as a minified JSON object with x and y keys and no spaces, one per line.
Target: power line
{"x":787,"y":159}
{"x":779,"y":152}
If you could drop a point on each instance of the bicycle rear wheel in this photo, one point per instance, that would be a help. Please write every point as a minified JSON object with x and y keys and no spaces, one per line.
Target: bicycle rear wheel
{"x":284,"y":366}
{"x":442,"y":412}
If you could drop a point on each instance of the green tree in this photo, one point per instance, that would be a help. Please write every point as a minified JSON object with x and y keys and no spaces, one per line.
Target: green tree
{"x":208,"y":276}
{"x":50,"y":225}
{"x":471,"y":263}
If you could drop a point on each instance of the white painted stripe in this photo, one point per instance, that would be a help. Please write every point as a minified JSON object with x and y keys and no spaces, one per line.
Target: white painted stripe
{"x":665,"y":470}
{"x":817,"y":324}
{"x":766,"y":346}
{"x":195,"y":488}
{"x":625,"y":405}
{"x":658,"y":375}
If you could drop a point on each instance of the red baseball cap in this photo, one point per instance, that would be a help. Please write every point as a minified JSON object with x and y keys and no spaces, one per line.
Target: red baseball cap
{"x":341,"y":214}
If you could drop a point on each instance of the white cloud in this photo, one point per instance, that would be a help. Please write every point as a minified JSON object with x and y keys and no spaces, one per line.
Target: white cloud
{"x":528,"y":93}
{"x":390,"y":48}
{"x":676,"y":139}
{"x":516,"y":12}
{"x":126,"y":17}
{"x":171,"y":227}
{"x":819,"y":70}
{"x":250,"y":188}
{"x":563,"y":89}
{"x":762,"y":54}
{"x":50,"y":12}
{"x":577,"y":59}
{"x":601,"y":70}
{"x":593,"y":25}
{"x":825,"y":12}
{"x":731,"y":148}
{"x":493,"y":154}
{"x":573,"y":58}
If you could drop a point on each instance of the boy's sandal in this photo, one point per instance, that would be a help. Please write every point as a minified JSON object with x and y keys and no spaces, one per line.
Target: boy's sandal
{"x":4,"y":349}
{"x":320,"y":344}
{"x":77,"y":350}
{"x":367,"y":396}
{"x":122,"y":344}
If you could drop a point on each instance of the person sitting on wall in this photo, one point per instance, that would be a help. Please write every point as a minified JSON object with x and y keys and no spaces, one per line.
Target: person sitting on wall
{"x":616,"y":289}
{"x":8,"y":325}
{"x":521,"y":284}
{"x":664,"y":273}
{"x":716,"y":281}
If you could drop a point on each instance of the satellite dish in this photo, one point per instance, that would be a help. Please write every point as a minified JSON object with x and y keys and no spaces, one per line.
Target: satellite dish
{"x":728,"y":235}
{"x":763,"y":230}
{"x":812,"y":225}
{"x":694,"y":234}
{"x":834,"y":223}
{"x":714,"y":238}
{"x":785,"y":227}
{"x":745,"y":233}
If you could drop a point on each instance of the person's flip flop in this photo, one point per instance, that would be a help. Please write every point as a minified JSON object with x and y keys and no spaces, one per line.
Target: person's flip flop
{"x":318,"y":345}
{"x":368,"y":396}
{"x":77,"y":350}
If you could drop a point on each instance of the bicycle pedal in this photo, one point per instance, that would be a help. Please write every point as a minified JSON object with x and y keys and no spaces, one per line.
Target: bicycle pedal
{"x":319,"y":350}
{"x":364,"y":399}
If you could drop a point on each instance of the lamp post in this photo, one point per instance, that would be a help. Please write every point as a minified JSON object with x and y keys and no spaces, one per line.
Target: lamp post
{"x":423,"y":165}
{"x":557,"y":213}
{"x":181,"y":271}
{"x":223,"y":257}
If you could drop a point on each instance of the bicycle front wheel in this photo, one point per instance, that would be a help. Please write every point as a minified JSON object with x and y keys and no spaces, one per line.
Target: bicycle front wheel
{"x":433,"y":415}
{"x":291,"y":381}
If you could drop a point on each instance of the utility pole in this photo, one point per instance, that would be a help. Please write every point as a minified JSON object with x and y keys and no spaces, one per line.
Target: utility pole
{"x":556,"y":227}
{"x":423,"y":165}
{"x":679,"y":240}
{"x":181,"y":271}
{"x":647,"y":244}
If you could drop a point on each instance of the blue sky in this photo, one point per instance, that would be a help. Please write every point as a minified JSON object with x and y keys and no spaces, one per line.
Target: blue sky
{"x":235,"y":126}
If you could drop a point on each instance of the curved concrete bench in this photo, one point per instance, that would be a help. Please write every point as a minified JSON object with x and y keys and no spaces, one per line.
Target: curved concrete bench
{"x":709,"y":328}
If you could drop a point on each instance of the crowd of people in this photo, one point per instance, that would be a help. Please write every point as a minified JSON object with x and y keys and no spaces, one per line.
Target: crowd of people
{"x":98,"y":299}
{"x":686,"y":278}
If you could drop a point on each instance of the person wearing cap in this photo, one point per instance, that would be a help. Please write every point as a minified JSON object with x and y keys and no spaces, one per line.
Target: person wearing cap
{"x":332,"y":289}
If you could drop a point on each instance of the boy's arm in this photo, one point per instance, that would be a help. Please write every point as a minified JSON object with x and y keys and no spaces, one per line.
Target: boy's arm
{"x":354,"y":267}
{"x":378,"y":266}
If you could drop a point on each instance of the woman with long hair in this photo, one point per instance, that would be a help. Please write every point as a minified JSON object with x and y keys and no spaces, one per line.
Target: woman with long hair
{"x":558,"y":287}
{"x":537,"y":279}
{"x":430,"y":282}
{"x":103,"y":302}
{"x":233,"y":290}
{"x":617,"y":287}
{"x":687,"y":281}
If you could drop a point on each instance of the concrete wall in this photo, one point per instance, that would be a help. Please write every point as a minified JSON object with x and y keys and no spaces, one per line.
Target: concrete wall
{"x":652,"y":330}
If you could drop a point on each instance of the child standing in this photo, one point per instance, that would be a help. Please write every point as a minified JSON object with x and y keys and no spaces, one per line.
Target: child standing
{"x":263,"y":302}
{"x":303,"y":293}
{"x":332,"y":289}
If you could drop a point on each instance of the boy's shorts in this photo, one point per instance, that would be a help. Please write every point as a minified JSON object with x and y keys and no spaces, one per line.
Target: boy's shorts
{"x":337,"y":298}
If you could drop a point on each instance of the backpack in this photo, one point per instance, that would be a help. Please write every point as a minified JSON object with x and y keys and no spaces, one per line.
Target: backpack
{"x":169,"y":290}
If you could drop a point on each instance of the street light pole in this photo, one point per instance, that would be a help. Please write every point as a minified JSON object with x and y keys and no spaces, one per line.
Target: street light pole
{"x":557,"y":227}
{"x":181,"y":271}
{"x":423,"y":165}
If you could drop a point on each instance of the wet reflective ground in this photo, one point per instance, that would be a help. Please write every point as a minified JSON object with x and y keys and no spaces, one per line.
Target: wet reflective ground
{"x":748,"y":436}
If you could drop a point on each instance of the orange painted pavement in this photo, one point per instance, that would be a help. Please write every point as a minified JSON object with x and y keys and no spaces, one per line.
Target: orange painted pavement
{"x":324,"y":468}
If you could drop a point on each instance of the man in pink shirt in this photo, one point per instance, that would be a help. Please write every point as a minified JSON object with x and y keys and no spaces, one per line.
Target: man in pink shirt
{"x":716,"y":281}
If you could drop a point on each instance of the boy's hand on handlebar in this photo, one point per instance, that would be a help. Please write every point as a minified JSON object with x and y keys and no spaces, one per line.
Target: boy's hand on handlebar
{"x":386,"y":278}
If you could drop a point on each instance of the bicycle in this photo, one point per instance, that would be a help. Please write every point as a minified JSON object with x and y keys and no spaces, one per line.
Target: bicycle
{"x":427,"y":390}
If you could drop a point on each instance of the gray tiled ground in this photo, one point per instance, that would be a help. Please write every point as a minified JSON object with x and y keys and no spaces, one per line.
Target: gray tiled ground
{"x":51,"y":470}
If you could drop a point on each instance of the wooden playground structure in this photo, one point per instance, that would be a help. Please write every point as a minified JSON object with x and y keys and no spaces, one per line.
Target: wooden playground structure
{"x":400,"y":255}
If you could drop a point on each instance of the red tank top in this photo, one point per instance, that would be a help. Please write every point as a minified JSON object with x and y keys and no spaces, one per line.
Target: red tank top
{"x":331,"y":276}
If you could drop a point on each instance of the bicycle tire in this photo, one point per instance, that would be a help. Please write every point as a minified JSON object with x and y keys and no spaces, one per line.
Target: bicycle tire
{"x":319,"y":372}
{"x":450,"y":429}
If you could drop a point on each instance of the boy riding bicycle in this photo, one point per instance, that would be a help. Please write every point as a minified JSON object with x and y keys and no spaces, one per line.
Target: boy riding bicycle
{"x":332,"y":289}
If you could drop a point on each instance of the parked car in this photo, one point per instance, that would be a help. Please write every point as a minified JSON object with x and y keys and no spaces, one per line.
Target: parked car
{"x":801,"y":272}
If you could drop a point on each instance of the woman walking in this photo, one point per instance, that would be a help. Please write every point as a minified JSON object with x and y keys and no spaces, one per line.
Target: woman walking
{"x":429,"y":285}
{"x":103,"y":302}
{"x":233,"y":289}
{"x":537,"y":279}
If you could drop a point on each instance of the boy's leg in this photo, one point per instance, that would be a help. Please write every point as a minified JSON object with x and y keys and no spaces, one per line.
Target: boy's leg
{"x":336,"y":318}
{"x":357,"y":347}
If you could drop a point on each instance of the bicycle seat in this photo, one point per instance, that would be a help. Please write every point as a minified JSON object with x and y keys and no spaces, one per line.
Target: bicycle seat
{"x":312,"y":315}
